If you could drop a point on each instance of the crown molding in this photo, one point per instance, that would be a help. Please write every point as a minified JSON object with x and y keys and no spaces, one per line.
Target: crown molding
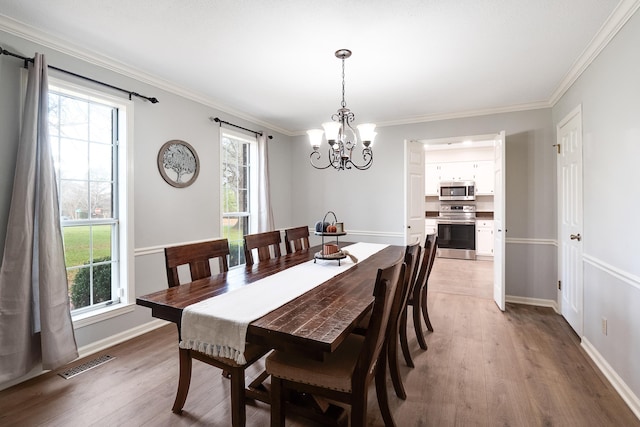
{"x":620,"y":15}
{"x":67,"y":47}
{"x":469,"y":113}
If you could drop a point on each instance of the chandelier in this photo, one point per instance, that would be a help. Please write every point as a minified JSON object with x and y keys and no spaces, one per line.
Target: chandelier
{"x":341,"y":136}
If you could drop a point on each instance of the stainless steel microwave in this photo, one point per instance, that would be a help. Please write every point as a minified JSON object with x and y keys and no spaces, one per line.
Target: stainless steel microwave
{"x":457,"y":190}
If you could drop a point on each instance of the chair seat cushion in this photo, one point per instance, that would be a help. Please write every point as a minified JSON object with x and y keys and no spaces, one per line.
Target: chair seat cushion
{"x":334,"y":372}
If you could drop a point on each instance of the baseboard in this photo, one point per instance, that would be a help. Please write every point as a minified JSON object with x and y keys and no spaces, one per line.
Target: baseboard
{"x":100,"y":345}
{"x":533,"y":301}
{"x":94,"y":347}
{"x":621,"y":387}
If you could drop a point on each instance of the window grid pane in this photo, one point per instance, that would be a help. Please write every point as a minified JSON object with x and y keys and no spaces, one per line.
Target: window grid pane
{"x":235,"y":195}
{"x":84,"y":149}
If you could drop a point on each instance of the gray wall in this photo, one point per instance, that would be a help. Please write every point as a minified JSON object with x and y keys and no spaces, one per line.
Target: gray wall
{"x":609,"y":92}
{"x":372,"y":202}
{"x":164,"y":215}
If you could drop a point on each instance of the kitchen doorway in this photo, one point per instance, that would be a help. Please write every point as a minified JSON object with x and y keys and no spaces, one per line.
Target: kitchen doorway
{"x":469,"y":158}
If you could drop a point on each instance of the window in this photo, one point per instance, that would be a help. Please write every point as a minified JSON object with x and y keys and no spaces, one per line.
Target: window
{"x":88,"y":139}
{"x":238,"y":199}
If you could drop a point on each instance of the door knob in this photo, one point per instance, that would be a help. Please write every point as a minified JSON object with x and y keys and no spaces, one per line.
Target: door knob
{"x":577,"y":237}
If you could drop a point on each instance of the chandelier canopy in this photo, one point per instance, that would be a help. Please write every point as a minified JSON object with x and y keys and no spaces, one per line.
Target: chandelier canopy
{"x":341,"y":136}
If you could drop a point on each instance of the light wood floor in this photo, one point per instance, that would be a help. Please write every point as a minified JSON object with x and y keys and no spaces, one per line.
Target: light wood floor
{"x":523,"y":367}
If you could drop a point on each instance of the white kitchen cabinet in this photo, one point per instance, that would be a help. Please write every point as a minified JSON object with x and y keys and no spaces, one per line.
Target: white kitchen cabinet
{"x":484,"y":177}
{"x":481,"y":172}
{"x":446,"y":171}
{"x":484,"y":237}
{"x":432,"y":179}
{"x":430,"y":226}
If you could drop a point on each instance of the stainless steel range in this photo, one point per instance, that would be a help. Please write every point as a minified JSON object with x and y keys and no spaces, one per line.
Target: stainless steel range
{"x":457,"y":231}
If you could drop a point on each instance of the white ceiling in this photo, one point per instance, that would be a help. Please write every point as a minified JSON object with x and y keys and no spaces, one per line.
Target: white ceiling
{"x":273,"y":60}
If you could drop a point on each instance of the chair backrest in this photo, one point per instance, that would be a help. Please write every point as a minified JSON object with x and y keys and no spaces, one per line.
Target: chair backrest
{"x":265,"y":243}
{"x":433,"y":239}
{"x":428,"y":257}
{"x":197,"y":256}
{"x":296,"y":239}
{"x":412,"y":259}
{"x":386,"y":290}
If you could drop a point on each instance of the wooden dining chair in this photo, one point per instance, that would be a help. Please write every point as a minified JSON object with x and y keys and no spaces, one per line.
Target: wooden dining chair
{"x":345,"y":374}
{"x":418,"y":299}
{"x":267,"y":244}
{"x":411,"y":260}
{"x":296,"y":239}
{"x":197,"y":256}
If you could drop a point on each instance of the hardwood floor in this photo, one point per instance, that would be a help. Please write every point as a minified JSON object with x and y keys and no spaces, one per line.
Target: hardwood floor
{"x":523,"y":367}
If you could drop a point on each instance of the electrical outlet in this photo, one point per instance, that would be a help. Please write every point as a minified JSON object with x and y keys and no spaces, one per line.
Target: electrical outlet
{"x":604,"y":326}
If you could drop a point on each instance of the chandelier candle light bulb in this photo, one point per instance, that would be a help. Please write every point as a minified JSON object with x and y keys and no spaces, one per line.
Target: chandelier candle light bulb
{"x":341,"y":137}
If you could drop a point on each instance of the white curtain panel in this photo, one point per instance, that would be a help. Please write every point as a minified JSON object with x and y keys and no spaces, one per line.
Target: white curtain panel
{"x":265,"y":213}
{"x":35,"y":319}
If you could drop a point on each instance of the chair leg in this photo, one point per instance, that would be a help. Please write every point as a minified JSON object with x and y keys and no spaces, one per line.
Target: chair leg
{"x":425,"y":312}
{"x":381,"y":390}
{"x":359,"y":409}
{"x":404,"y":342}
{"x":184,"y":379}
{"x":417,"y":323}
{"x":238,"y":410}
{"x":277,"y":402}
{"x":394,"y":367}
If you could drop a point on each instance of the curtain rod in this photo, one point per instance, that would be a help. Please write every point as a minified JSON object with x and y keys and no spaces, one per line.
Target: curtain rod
{"x":153,"y":100}
{"x":217,"y":120}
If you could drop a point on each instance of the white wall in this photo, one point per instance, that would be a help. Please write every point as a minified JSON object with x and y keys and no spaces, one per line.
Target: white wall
{"x":609,"y":92}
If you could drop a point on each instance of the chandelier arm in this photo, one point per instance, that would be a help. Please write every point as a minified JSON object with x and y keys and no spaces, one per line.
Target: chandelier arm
{"x":318,"y":156}
{"x":367,"y":156}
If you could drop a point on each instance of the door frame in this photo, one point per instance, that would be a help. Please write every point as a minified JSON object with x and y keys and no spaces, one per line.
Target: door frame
{"x":460,"y":139}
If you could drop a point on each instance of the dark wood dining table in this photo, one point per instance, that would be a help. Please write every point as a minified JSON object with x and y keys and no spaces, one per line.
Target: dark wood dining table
{"x":313,"y":324}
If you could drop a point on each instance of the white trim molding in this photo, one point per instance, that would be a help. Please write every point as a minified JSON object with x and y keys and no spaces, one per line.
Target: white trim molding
{"x":617,"y":19}
{"x":620,"y":15}
{"x":526,"y":241}
{"x":619,"y":274}
{"x":621,"y":387}
{"x":94,"y":347}
{"x":538,"y":302}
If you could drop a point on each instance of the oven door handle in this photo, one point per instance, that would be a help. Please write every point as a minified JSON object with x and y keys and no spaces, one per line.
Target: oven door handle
{"x":453,"y":221}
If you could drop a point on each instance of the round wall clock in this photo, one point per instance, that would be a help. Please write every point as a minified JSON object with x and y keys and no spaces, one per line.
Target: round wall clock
{"x":178,"y":163}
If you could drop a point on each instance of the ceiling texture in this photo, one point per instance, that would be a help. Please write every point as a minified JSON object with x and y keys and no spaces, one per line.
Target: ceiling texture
{"x":272,"y":61}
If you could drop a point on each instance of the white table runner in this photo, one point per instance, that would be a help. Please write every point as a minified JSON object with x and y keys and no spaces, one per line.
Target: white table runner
{"x":218,"y":326}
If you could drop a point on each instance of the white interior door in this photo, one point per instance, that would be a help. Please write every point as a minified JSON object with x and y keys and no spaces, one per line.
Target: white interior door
{"x":499,"y":222}
{"x":414,"y":192}
{"x":569,"y":134}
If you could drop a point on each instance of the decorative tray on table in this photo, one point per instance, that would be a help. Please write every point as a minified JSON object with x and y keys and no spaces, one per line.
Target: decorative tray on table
{"x":330,"y":250}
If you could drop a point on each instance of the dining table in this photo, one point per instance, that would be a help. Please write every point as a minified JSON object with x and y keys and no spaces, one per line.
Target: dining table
{"x":313,"y":324}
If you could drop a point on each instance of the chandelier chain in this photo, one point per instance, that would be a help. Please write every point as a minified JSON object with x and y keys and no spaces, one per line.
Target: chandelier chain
{"x":344,"y":104}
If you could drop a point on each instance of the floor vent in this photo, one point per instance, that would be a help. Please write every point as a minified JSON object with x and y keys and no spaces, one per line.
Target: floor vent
{"x":70,"y":373}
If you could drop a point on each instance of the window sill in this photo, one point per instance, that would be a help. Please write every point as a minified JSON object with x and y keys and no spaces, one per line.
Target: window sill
{"x":105,"y":313}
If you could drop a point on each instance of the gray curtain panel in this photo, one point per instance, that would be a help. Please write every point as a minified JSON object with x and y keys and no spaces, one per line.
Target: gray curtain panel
{"x":265,"y":213}
{"x":35,"y":319}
